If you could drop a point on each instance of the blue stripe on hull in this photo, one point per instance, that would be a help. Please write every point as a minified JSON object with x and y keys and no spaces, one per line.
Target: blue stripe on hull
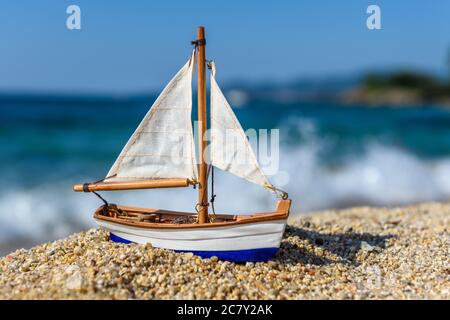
{"x":248,"y":255}
{"x":115,"y":238}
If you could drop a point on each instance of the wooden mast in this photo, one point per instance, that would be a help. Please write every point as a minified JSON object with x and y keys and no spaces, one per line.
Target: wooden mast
{"x":201,"y":96}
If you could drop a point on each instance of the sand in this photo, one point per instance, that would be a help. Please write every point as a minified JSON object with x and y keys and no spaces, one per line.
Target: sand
{"x":359,"y":253}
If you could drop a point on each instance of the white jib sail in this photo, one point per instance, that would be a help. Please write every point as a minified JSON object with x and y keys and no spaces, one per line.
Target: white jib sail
{"x":230,"y":149}
{"x":163,"y":144}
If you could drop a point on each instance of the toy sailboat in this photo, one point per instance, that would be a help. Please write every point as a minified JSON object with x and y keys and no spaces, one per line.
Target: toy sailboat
{"x":161,"y":154}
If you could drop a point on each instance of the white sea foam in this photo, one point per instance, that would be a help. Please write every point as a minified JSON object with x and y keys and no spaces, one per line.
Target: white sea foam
{"x":382,"y":176}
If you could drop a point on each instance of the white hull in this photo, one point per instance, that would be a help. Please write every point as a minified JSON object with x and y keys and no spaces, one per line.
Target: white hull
{"x":266,"y":234}
{"x":239,"y":241}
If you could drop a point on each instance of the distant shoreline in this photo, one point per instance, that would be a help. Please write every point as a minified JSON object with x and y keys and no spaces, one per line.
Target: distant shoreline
{"x":392,"y":97}
{"x":394,"y":89}
{"x":400,"y":88}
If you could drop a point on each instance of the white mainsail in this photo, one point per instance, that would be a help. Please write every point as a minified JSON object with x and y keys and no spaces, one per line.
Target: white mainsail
{"x":163,"y":144}
{"x":230,"y":149}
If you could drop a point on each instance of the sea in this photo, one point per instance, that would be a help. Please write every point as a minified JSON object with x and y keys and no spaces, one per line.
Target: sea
{"x":330,"y":156}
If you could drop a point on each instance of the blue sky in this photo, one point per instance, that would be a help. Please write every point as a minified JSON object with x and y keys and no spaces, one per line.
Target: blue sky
{"x":131,"y":46}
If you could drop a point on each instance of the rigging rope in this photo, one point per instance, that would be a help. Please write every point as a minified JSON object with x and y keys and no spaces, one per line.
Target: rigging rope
{"x":107,"y":207}
{"x":86,"y":189}
{"x":205,"y":203}
{"x":284,"y":195}
{"x":101,"y":198}
{"x":213,"y":195}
